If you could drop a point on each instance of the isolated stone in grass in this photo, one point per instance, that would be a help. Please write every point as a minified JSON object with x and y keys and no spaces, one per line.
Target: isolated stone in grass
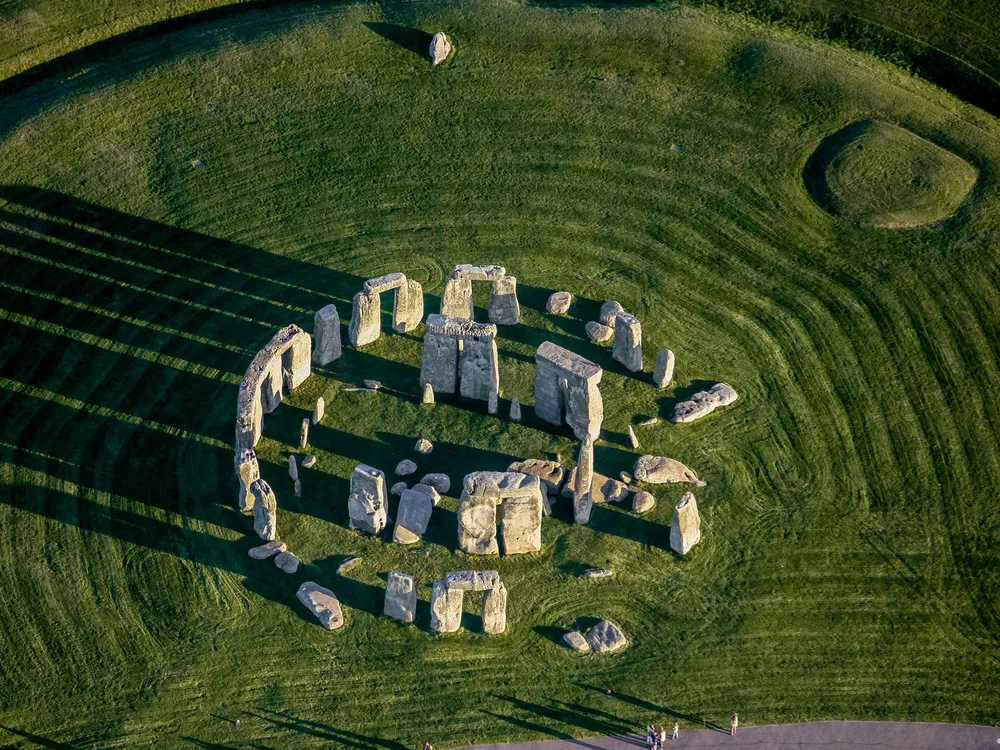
{"x":440,"y":48}
{"x":685,"y":531}
{"x":704,"y":403}
{"x":405,"y":467}
{"x":372,"y":385}
{"x":304,"y":434}
{"x":440,"y":482}
{"x":632,"y":439}
{"x":663,"y":470}
{"x":428,"y":397}
{"x":319,"y":410}
{"x":323,"y":603}
{"x":326,"y":336}
{"x":610,"y":311}
{"x":598,"y":573}
{"x":266,"y":551}
{"x":598,"y":333}
{"x":663,"y":372}
{"x":347,"y":565}
{"x":400,"y":597}
{"x":424,"y":446}
{"x":197,"y":164}
{"x":293,"y":467}
{"x":287,"y":562}
{"x":309,"y":461}
{"x":515,"y":409}
{"x":628,"y":342}
{"x":397,"y":488}
{"x":649,"y":422}
{"x":642,"y":501}
{"x":559,"y":303}
{"x":605,"y":636}
{"x":574,"y":639}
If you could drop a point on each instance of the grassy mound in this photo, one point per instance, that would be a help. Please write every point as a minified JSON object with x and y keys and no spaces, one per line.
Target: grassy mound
{"x":877,"y":174}
{"x":165,"y":209}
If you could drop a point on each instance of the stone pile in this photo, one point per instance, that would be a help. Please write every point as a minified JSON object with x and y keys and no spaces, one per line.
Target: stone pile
{"x":519,"y":497}
{"x":478,"y":374}
{"x":366,"y":308}
{"x":704,"y":403}
{"x":448,"y":593}
{"x":456,"y":300}
{"x":566,"y":390}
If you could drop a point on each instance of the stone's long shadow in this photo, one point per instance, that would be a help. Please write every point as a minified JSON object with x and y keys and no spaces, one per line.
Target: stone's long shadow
{"x":285,"y":720}
{"x":416,"y":41}
{"x":616,"y":521}
{"x":592,"y":720}
{"x":647,"y":706}
{"x":38,"y":739}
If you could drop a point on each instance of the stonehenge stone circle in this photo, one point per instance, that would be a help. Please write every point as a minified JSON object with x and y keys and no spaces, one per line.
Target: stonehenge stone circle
{"x":448,"y":593}
{"x":366,"y":308}
{"x":551,"y":473}
{"x":583,"y":480}
{"x":575,"y":640}
{"x":265,"y":510}
{"x":642,"y":501}
{"x":598,"y":333}
{"x":567,"y":390}
{"x":520,"y":498}
{"x":685,"y":531}
{"x":414,"y":514}
{"x":559,"y":303}
{"x":628,"y":342}
{"x":400,"y":597}
{"x":446,"y":607}
{"x":266,"y":551}
{"x":479,"y":368}
{"x":405,"y":468}
{"x":504,"y":309}
{"x":248,"y":472}
{"x":286,"y":562}
{"x":439,"y":49}
{"x":515,"y":409}
{"x":323,"y":603}
{"x":326,"y":332}
{"x":440,"y":482}
{"x":605,"y":636}
{"x":284,"y":363}
{"x":366,"y":504}
{"x":704,"y":403}
{"x":663,"y":470}
{"x":663,"y":373}
{"x":609,"y":311}
{"x":319,"y":410}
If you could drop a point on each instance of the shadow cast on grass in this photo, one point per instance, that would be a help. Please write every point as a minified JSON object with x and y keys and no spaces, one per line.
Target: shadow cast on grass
{"x":647,"y":706}
{"x":416,"y":41}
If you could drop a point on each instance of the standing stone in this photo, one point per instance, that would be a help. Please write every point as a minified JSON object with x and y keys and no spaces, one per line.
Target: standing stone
{"x":480,"y":367}
{"x":493,"y":405}
{"x":265,"y":510}
{"x":439,"y":364}
{"x":559,"y":303}
{"x":446,"y":607}
{"x":632,"y":439}
{"x":408,"y":307}
{"x":609,"y":311}
{"x":456,"y":300}
{"x":495,"y":610}
{"x":366,"y":504}
{"x":663,"y":470}
{"x":439,"y":49}
{"x":521,"y":530}
{"x":293,"y":468}
{"x":567,"y":389}
{"x":326,"y":331}
{"x":477,"y":519}
{"x":685,"y":531}
{"x":515,"y":409}
{"x":583,"y":503}
{"x":319,"y":410}
{"x":663,"y":373}
{"x":304,"y":434}
{"x":628,"y":342}
{"x":428,"y":393}
{"x":412,"y":517}
{"x":323,"y":603}
{"x":504,"y":309}
{"x":400,"y":597}
{"x":248,"y":471}
{"x":297,"y":487}
{"x":366,"y":319}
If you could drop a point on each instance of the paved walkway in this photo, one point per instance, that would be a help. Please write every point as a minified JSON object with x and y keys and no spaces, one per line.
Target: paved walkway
{"x":827,"y":735}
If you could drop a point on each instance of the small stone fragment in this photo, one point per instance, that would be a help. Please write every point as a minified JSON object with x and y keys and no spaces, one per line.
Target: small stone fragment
{"x":515,"y":409}
{"x":663,"y":373}
{"x":308,"y":462}
{"x":559,"y":303}
{"x":625,"y":476}
{"x":632,"y":439}
{"x":493,"y":404}
{"x":649,"y":422}
{"x":400,"y":597}
{"x":428,"y":394}
{"x":372,"y":385}
{"x":609,"y":311}
{"x":293,"y":468}
{"x":663,"y":470}
{"x":598,"y":573}
{"x":347,"y":565}
{"x":405,"y":467}
{"x":440,"y":48}
{"x":397,"y":488}
{"x":575,"y":640}
{"x":319,"y":410}
{"x":704,"y":403}
{"x":598,"y":333}
{"x":304,"y":434}
{"x":423,"y":446}
{"x":440,"y":482}
{"x":323,"y":603}
{"x":287,"y":562}
{"x":266,"y":551}
{"x":642,"y":501}
{"x":606,"y":636}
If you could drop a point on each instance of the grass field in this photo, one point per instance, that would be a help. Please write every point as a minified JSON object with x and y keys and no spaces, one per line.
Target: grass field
{"x":849,"y":562}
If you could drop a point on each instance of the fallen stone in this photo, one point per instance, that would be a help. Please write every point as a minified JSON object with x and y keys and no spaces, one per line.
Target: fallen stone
{"x":397,"y":488}
{"x":663,"y":373}
{"x":495,"y":609}
{"x":685,"y":531}
{"x":440,"y":48}
{"x":293,"y":468}
{"x":265,"y":510}
{"x":472,"y":580}
{"x":372,"y":385}
{"x":428,"y":397}
{"x":628,"y":342}
{"x":551,"y":473}
{"x":649,"y":422}
{"x":575,"y":640}
{"x":405,"y":467}
{"x":323,"y":603}
{"x":266,"y":551}
{"x":663,"y":470}
{"x":598,"y":573}
{"x":366,"y":504}
{"x":286,"y":562}
{"x":427,"y":490}
{"x":610,"y":311}
{"x":412,"y":517}
{"x":347,"y":565}
{"x":326,"y":332}
{"x":400,"y":597}
{"x":423,"y":446}
{"x":559,"y":303}
{"x":440,"y":482}
{"x":704,"y":403}
{"x":308,"y":462}
{"x":642,"y":501}
{"x":598,"y":333}
{"x":515,"y":409}
{"x":632,"y":439}
{"x":605,"y":636}
{"x":304,"y":434}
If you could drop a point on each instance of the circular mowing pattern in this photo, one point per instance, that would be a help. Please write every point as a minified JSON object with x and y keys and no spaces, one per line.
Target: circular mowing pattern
{"x":877,"y":174}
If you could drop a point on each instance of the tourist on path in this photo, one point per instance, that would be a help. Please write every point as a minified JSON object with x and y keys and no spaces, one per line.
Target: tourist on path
{"x":677,"y":731}
{"x":733,"y":723}
{"x":662,"y":736}
{"x":650,"y":736}
{"x":428,"y":746}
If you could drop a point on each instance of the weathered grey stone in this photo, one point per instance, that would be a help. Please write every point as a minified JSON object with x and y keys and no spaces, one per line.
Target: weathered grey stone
{"x":663,"y":373}
{"x":493,"y":403}
{"x":704,"y":403}
{"x":248,"y":472}
{"x":265,"y":510}
{"x":685,"y":531}
{"x":446,"y":608}
{"x":598,"y":333}
{"x":583,"y":502}
{"x":575,"y":640}
{"x":439,"y":364}
{"x":642,"y":502}
{"x":323,"y":603}
{"x":606,"y":636}
{"x":567,"y":389}
{"x":366,"y":319}
{"x":515,"y":409}
{"x":297,"y":487}
{"x":400,"y":597}
{"x":405,"y":467}
{"x":632,"y":439}
{"x":522,"y":503}
{"x":663,"y":470}
{"x":480,"y":371}
{"x":472,"y":580}
{"x":440,"y":48}
{"x":429,"y":491}
{"x":440,"y":482}
{"x":326,"y":332}
{"x":397,"y":488}
{"x":479,"y":273}
{"x":559,"y":303}
{"x":521,"y":530}
{"x":366,"y":504}
{"x":319,"y":410}
{"x":408,"y":307}
{"x":347,"y":565}
{"x":551,"y":473}
{"x":495,"y":610}
{"x":477,"y":520}
{"x":266,"y":551}
{"x":423,"y":445}
{"x":413,"y":516}
{"x":456,"y":300}
{"x":610,"y":311}
{"x":649,"y":422}
{"x":385,"y":282}
{"x":309,"y":461}
{"x":628,"y":342}
{"x":429,"y":393}
{"x":293,"y":467}
{"x":504,"y":309}
{"x":286,"y":562}
{"x":602,"y":489}
{"x":598,"y":573}
{"x":372,"y":385}
{"x":304,"y":434}
{"x":625,"y":477}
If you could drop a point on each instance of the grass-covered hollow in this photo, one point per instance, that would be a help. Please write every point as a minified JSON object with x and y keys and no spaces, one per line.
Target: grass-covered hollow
{"x":166,"y":209}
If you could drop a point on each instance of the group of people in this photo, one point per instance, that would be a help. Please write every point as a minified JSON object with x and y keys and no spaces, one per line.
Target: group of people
{"x":656,"y":737}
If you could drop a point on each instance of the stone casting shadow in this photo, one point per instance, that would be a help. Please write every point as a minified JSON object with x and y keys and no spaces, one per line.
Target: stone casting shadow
{"x":416,"y":41}
{"x":684,"y":393}
{"x":647,"y":706}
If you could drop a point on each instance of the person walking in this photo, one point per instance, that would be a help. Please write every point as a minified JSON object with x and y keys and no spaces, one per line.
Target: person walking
{"x":428,"y":745}
{"x":677,"y":731}
{"x":650,"y":737}
{"x":734,"y":722}
{"x":663,"y":737}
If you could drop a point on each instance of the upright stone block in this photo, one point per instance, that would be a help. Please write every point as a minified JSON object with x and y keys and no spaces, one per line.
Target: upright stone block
{"x":504,"y":309}
{"x":477,"y":519}
{"x":456,"y":300}
{"x":319,"y":410}
{"x":408,"y":307}
{"x":400,"y":597}
{"x":685,"y":531}
{"x":480,"y":372}
{"x":366,"y":503}
{"x":414,"y":514}
{"x":521,"y":529}
{"x":326,"y":332}
{"x":495,"y":609}
{"x":366,"y":319}
{"x":446,"y":608}
{"x":583,"y":502}
{"x":567,"y":389}
{"x":272,"y":385}
{"x":628,"y":342}
{"x":265,"y":510}
{"x":609,"y":311}
{"x":663,"y":373}
{"x":248,"y":472}
{"x":304,"y":434}
{"x":550,"y":390}
{"x":439,"y":365}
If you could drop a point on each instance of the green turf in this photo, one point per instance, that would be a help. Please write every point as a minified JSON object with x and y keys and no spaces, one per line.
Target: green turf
{"x":849,"y":560}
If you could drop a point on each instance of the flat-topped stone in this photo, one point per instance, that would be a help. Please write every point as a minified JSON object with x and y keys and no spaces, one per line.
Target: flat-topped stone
{"x":323,"y":603}
{"x":385,"y":282}
{"x":704,"y":403}
{"x":574,"y":639}
{"x":567,"y":360}
{"x":448,"y":325}
{"x":478,"y":273}
{"x":605,"y":636}
{"x":472,"y":580}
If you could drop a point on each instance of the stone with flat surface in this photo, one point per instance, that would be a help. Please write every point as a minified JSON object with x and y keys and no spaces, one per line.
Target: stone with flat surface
{"x":663,"y":470}
{"x":323,"y":603}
